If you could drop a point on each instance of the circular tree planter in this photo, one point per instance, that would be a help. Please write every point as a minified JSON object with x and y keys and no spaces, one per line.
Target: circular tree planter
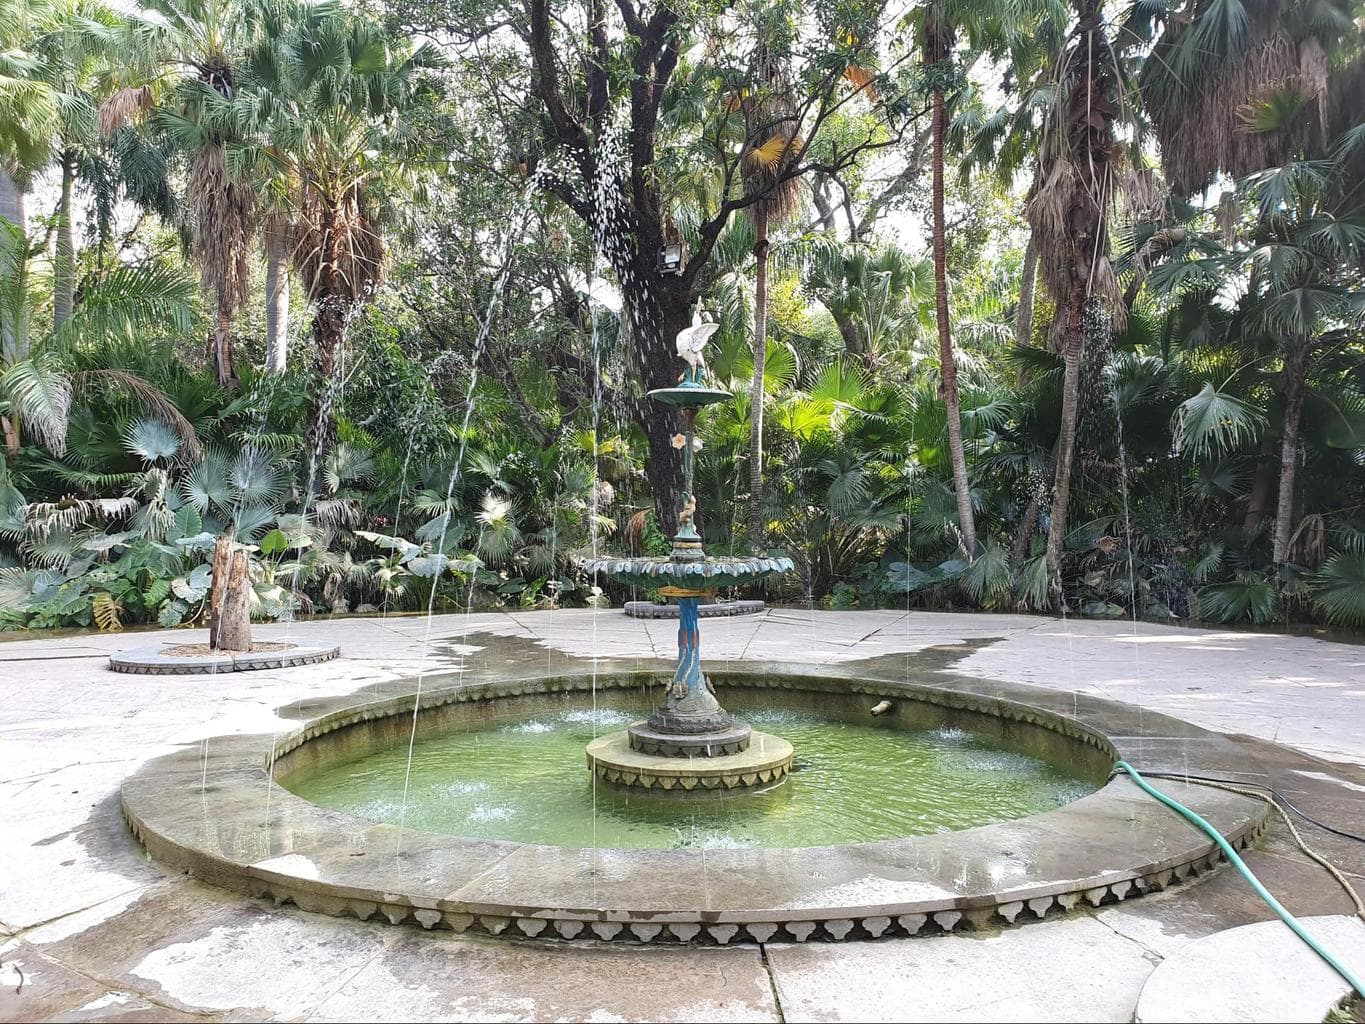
{"x":200,"y":659}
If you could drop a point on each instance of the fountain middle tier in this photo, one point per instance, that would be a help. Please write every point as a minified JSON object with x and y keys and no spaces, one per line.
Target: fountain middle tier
{"x":703,"y":573}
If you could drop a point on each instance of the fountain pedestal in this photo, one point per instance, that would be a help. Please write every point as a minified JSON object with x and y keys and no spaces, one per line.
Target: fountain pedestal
{"x":689,"y":741}
{"x":689,"y":721}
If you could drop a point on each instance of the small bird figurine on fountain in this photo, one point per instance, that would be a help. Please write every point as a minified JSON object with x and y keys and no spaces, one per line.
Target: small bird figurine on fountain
{"x":691,"y":342}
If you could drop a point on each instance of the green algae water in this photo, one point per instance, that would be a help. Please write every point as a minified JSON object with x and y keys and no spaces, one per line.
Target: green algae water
{"x":526,"y":780}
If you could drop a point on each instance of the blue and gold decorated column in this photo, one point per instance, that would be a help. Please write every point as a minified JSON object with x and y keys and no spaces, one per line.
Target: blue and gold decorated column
{"x":688,"y":679}
{"x":689,"y":721}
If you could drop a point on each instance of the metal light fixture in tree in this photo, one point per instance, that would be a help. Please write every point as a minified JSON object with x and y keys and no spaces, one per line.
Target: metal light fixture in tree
{"x":671,"y":259}
{"x":230,"y":597}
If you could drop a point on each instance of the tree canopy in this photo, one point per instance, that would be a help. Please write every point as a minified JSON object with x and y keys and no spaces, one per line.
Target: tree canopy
{"x":1033,"y":305}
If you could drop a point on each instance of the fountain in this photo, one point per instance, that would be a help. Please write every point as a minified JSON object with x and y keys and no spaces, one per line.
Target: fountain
{"x":690,"y":741}
{"x":926,"y":802}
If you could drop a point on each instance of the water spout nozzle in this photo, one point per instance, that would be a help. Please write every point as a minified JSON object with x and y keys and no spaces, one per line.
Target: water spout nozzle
{"x":882,"y":708}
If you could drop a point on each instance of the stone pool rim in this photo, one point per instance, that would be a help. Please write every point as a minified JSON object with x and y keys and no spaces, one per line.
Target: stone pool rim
{"x":221,"y":817}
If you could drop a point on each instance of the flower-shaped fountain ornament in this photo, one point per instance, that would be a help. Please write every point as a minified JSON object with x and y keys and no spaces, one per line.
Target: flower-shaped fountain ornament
{"x":689,"y":722}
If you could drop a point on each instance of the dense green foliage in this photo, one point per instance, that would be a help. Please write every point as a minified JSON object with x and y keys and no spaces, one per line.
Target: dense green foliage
{"x":453,"y":416}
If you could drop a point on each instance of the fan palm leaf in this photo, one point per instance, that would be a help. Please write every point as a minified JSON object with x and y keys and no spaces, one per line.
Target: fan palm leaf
{"x":1215,"y":421}
{"x":39,"y":395}
{"x":1339,"y":589}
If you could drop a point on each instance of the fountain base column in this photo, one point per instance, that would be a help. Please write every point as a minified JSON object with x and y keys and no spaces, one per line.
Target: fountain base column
{"x":719,"y":743}
{"x":689,"y":721}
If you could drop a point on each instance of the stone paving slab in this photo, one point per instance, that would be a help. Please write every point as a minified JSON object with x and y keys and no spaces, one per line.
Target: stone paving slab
{"x":485,"y":980}
{"x":1258,"y":972}
{"x":1052,"y":971}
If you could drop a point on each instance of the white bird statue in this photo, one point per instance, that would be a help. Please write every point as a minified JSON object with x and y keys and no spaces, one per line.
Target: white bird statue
{"x":691,"y":341}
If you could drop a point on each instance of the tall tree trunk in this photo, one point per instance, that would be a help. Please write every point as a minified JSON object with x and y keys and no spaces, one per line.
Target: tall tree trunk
{"x":230,"y":597}
{"x":1262,"y":484}
{"x":947,"y":363}
{"x":1073,"y":351}
{"x":220,"y":349}
{"x":1068,"y":213}
{"x":756,"y":517}
{"x":276,"y":299}
{"x":658,"y":306}
{"x":854,"y":343}
{"x":1295,"y":369}
{"x":12,"y":201}
{"x":1023,"y":319}
{"x":13,"y":329}
{"x":329,"y":329}
{"x":64,"y":278}
{"x":1028,"y":522}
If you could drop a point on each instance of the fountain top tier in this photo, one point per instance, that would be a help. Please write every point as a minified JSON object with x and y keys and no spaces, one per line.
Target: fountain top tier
{"x":687,"y":568}
{"x":690,"y":395}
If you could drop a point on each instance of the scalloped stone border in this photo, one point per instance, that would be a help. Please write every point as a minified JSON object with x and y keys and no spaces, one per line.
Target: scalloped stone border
{"x":204,"y":813}
{"x":151,"y":661}
{"x":613,"y":759}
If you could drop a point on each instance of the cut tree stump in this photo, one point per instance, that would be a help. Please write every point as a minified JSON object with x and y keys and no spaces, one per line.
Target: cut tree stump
{"x":230,"y":597}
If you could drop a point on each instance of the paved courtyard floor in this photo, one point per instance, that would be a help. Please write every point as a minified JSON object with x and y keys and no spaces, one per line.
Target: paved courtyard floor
{"x":93,"y":929}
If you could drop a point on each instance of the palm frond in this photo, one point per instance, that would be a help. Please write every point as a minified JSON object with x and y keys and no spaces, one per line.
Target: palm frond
{"x":1248,"y":598}
{"x":1339,"y":589}
{"x":157,"y":402}
{"x":151,"y":440}
{"x":40,"y":395}
{"x":1215,"y":421}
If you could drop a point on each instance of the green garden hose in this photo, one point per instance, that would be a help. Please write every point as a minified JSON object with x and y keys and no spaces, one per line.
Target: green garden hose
{"x":1240,"y":865}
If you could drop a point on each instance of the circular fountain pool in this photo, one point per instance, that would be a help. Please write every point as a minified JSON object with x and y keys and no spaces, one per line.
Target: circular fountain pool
{"x":523,"y":779}
{"x":217,"y":810}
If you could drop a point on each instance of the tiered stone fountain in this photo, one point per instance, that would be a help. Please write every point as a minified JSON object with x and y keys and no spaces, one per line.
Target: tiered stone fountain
{"x":690,"y":742}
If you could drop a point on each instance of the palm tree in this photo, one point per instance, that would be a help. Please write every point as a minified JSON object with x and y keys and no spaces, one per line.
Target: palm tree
{"x":80,"y":61}
{"x":1221,"y":67}
{"x":939,"y":34}
{"x":1006,"y":33}
{"x":277,"y":233}
{"x":875,"y":295}
{"x":771,"y":145}
{"x":1268,"y":91}
{"x":36,"y":389}
{"x":1305,"y":269}
{"x":199,"y":45}
{"x":1068,"y":210}
{"x":29,"y":114}
{"x":337,"y":89}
